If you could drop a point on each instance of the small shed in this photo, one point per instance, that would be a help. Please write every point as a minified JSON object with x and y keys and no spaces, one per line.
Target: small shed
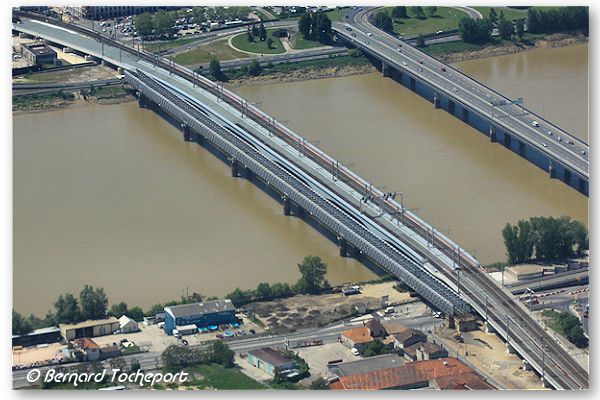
{"x":128,"y":325}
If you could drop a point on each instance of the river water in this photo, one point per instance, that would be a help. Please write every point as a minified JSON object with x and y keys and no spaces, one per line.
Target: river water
{"x":112,"y":196}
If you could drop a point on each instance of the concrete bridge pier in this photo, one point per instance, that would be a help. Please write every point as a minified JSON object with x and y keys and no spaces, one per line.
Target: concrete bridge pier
{"x":245,"y":172}
{"x":465,"y":115}
{"x":384,"y":69}
{"x":412,"y":84}
{"x":235,"y":169}
{"x":552,"y":169}
{"x":493,"y":138}
{"x":581,"y":184}
{"x":507,"y":140}
{"x":451,"y":106}
{"x":287,"y":205}
{"x":489,"y":328}
{"x":567,"y":176}
{"x":187,"y":135}
{"x":451,"y":324}
{"x":437,"y":100}
{"x":521,"y":148}
{"x":143,"y":101}
{"x":527,"y":366}
{"x":510,"y":349}
{"x":343,"y":246}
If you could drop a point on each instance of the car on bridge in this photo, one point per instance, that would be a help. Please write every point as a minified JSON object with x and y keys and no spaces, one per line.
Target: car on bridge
{"x":535,"y":124}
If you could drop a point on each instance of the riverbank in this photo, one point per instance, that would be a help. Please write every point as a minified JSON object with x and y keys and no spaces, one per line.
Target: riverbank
{"x":58,"y":100}
{"x":458,"y":51}
{"x":302,"y":74}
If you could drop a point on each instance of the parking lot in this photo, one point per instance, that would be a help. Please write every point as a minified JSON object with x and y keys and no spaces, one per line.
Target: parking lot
{"x":317,"y":357}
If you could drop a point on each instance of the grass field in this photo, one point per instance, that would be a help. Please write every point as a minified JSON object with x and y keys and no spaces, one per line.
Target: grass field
{"x":337,"y":14}
{"x":218,"y":377}
{"x":446,"y":18}
{"x":509,"y":13}
{"x":154,"y":47}
{"x":301,"y":43}
{"x":203,"y":54}
{"x":241,"y":42}
{"x":451,"y":47}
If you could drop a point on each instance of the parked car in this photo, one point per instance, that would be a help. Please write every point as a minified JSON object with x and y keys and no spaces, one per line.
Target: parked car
{"x":355,"y":351}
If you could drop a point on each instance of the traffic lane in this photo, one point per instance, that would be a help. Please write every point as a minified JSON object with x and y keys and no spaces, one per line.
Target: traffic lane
{"x":390,"y":42}
{"x":474,"y":101}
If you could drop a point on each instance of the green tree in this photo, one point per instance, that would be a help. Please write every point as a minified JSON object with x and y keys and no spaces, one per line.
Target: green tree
{"x":144,"y":24}
{"x":280,"y":290}
{"x":93,"y":302}
{"x":431,"y":11}
{"x":418,"y":12}
{"x":262,"y":32}
{"x":66,"y":310}
{"x":255,"y":31}
{"x":20,"y":325}
{"x":520,"y":28}
{"x":270,"y":42}
{"x":117,"y":310}
{"x":579,"y":233}
{"x":399,"y":12}
{"x":218,"y":352}
{"x":254,"y":68}
{"x":492,"y":16}
{"x":383,"y":21}
{"x":420,"y":40}
{"x":305,"y":25}
{"x":136,"y":313}
{"x":475,"y":31}
{"x":323,"y":28}
{"x":239,"y":297}
{"x":135,"y":365}
{"x":215,"y":68}
{"x":163,"y":23}
{"x":505,"y":28}
{"x":313,"y":271}
{"x":264,"y":291}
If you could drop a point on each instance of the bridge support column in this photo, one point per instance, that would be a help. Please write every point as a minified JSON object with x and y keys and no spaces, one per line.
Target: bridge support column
{"x":187,"y":135}
{"x":451,"y":324}
{"x":567,"y":176}
{"x":493,"y":133}
{"x":413,"y":84}
{"x":544,"y":383}
{"x":552,"y":169}
{"x":510,"y":349}
{"x":581,"y":184}
{"x":287,"y":206}
{"x":527,"y":366}
{"x":246,"y":173}
{"x":521,"y":148}
{"x":343,"y":246}
{"x":507,"y":140}
{"x":451,"y":107}
{"x":437,"y":100}
{"x":465,"y":115}
{"x":384,"y":69}
{"x":235,"y":169}
{"x":489,"y":328}
{"x":143,"y":101}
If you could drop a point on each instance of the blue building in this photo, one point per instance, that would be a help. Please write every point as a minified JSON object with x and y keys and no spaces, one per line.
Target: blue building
{"x":205,"y":314}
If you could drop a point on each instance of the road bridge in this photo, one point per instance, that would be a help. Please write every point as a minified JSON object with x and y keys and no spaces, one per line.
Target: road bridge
{"x":506,"y":121}
{"x":368,"y":222}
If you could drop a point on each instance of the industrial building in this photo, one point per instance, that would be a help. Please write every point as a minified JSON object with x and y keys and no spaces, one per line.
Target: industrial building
{"x":38,"y":336}
{"x":38,"y":53}
{"x":271,"y":361}
{"x":89,"y":328}
{"x":203,"y":315}
{"x":128,"y":325}
{"x":105,"y":12}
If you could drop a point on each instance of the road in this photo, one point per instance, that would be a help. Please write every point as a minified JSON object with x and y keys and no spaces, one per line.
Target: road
{"x":456,"y":85}
{"x":30,"y":88}
{"x":552,"y":281}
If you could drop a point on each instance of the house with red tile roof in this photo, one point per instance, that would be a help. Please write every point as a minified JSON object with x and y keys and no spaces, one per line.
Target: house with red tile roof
{"x":444,"y":373}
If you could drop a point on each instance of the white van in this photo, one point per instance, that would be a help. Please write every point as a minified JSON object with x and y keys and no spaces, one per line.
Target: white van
{"x":355,"y":351}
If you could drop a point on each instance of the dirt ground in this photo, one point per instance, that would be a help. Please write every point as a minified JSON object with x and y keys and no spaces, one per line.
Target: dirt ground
{"x":487,"y":353}
{"x":303,"y":311}
{"x":317,"y":357}
{"x":33,"y":355}
{"x":70,"y":75}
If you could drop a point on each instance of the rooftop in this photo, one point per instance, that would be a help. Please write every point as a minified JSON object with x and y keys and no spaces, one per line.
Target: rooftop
{"x":38,"y":48}
{"x":406,"y":334}
{"x":366,"y":365}
{"x":270,"y":356}
{"x":40,"y":331}
{"x":208,"y":307}
{"x":86,"y":343}
{"x":89,"y":323}
{"x":455,"y":372}
{"x":359,"y":335}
